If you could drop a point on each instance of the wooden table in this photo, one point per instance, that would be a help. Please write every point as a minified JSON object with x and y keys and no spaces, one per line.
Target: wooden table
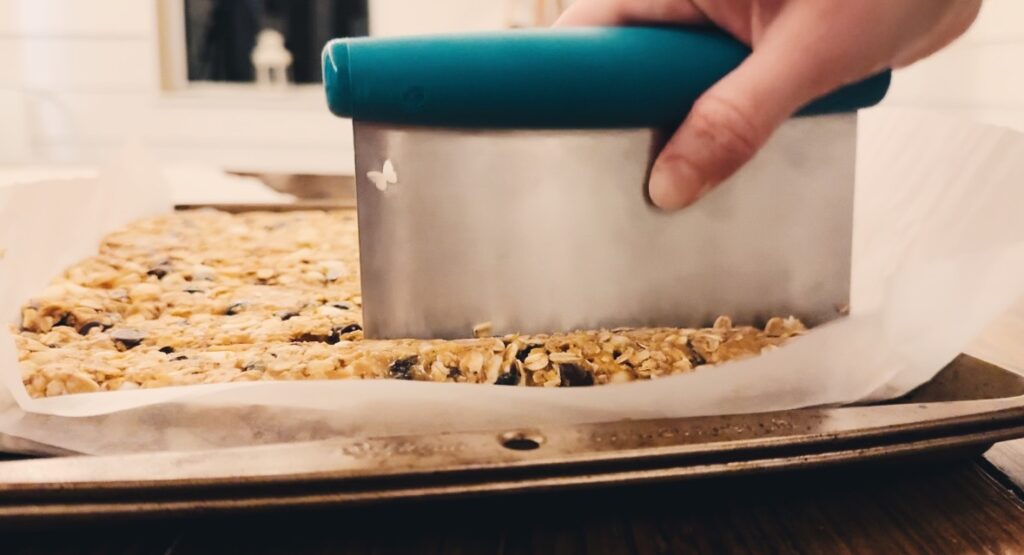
{"x":935,"y":507}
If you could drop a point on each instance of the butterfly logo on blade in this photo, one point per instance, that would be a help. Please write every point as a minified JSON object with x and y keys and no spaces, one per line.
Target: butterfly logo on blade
{"x":385,"y":177}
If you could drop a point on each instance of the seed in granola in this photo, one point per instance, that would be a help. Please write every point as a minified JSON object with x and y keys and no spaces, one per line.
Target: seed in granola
{"x":472,"y":363}
{"x":167,"y":350}
{"x":159,"y":272}
{"x":454,"y":373}
{"x":510,"y":376}
{"x":573,"y":375}
{"x":235,"y":308}
{"x":118,"y":294}
{"x":202,"y":272}
{"x":286,"y":315}
{"x":194,"y":289}
{"x":401,"y":369}
{"x":255,"y":366}
{"x":342,"y":306}
{"x":334,"y":269}
{"x":179,"y":357}
{"x":127,"y":338}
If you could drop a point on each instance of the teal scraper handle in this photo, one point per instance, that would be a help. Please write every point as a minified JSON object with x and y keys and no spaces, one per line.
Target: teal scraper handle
{"x":547,"y":78}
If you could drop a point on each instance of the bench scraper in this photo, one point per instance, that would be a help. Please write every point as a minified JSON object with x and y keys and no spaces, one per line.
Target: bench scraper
{"x":501,"y":181}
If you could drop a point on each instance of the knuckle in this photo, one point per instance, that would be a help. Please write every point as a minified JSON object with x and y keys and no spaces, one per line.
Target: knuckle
{"x":671,"y":10}
{"x":726,"y":125}
{"x":656,"y":10}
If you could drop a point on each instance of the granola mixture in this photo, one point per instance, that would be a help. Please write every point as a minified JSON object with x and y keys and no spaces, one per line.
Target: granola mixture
{"x":207,"y":297}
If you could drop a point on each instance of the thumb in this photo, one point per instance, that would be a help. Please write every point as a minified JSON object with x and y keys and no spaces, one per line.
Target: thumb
{"x":727,"y":125}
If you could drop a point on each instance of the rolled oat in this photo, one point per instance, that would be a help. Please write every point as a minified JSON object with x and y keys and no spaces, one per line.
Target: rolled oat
{"x":208,"y":297}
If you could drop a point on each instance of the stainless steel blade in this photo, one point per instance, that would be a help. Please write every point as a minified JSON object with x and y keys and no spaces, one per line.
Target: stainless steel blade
{"x":541,"y":231}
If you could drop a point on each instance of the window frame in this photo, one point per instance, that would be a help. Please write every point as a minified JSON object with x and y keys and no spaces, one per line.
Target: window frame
{"x":177,"y":89}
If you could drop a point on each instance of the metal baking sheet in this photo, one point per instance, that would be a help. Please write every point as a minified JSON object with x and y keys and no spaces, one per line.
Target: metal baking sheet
{"x":964,"y":409}
{"x":967,"y":407}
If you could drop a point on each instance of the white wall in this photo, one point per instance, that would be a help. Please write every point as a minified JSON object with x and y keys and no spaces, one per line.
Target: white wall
{"x":85,"y":77}
{"x":413,"y":17}
{"x":981,"y":76}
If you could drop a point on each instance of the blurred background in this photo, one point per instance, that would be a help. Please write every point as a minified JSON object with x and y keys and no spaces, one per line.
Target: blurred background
{"x":234,"y":84}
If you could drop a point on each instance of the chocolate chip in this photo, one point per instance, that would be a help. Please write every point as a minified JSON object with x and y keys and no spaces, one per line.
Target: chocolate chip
{"x":235,"y":308}
{"x":351,"y":328}
{"x":88,"y":326}
{"x":525,"y":352}
{"x":573,"y":375}
{"x":179,"y":357}
{"x":159,"y":272}
{"x":454,"y":373}
{"x":126,"y":338}
{"x":511,"y":377}
{"x":696,"y":359}
{"x":166,"y":350}
{"x":286,"y":315}
{"x":338,"y":333}
{"x":401,"y":369}
{"x":313,"y":338}
{"x":68,"y":319}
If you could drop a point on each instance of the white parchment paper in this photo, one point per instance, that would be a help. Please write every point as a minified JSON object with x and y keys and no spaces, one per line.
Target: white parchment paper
{"x":938,"y":253}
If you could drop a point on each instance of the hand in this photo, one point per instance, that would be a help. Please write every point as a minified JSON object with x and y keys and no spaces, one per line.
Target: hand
{"x":802,"y":49}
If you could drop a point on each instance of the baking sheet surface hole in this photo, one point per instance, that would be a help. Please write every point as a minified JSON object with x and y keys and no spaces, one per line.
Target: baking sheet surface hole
{"x":520,"y":440}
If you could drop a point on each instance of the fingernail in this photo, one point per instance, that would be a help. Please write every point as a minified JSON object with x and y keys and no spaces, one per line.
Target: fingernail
{"x":675,"y":188}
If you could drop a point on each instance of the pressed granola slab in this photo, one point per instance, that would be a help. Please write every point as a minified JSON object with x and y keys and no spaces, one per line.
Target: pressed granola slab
{"x":209,"y":297}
